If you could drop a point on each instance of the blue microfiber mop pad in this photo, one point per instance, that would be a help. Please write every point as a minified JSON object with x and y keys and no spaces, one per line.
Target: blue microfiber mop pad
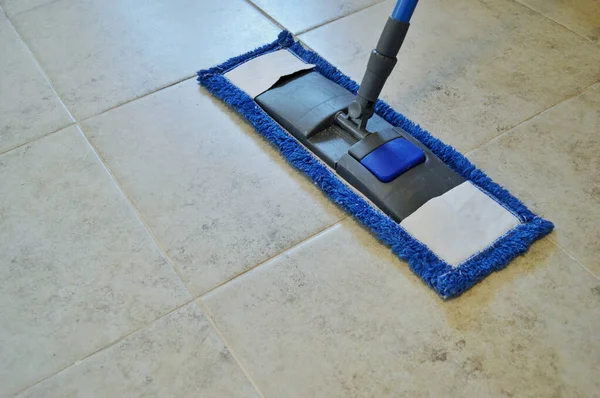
{"x":446,"y":280}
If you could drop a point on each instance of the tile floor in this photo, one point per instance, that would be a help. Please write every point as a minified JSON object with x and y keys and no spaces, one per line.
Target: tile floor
{"x":152,"y":245}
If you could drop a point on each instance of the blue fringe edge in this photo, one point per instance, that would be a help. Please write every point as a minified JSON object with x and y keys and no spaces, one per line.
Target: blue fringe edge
{"x":446,"y":280}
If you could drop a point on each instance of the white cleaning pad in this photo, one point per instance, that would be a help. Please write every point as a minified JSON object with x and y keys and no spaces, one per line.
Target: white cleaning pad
{"x":460,"y":223}
{"x":257,"y":75}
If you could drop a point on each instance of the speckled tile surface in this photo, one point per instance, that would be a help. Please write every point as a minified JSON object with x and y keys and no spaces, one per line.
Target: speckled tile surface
{"x":102,"y":53}
{"x":298,"y":16}
{"x":339,"y":317}
{"x":218,"y":196}
{"x":179,"y":355}
{"x":469,"y":70}
{"x":14,"y":7}
{"x":581,"y":16}
{"x":78,"y":268}
{"x":29,"y":108}
{"x":111,"y":227}
{"x":553,"y":163}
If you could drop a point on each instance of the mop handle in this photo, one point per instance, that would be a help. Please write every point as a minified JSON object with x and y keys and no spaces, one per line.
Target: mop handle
{"x":381,"y":62}
{"x":404,"y":10}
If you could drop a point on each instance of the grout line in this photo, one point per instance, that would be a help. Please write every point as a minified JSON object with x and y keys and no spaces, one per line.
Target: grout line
{"x":556,"y":22}
{"x":294,"y":246}
{"x":109,"y":345}
{"x":334,"y":19}
{"x":266,"y":15}
{"x":38,"y":138}
{"x":282,"y":27}
{"x":209,"y":318}
{"x":35,"y":7}
{"x":42,"y":71}
{"x":137,"y":212}
{"x":554,"y":241}
{"x":153,"y":91}
{"x":496,"y":137}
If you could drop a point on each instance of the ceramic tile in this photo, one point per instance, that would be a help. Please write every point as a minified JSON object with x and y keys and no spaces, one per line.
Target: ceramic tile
{"x":29,"y":108}
{"x":218,"y":197}
{"x":339,"y":316}
{"x":581,"y":16}
{"x":101,"y":53}
{"x":297,"y":16}
{"x":179,"y":355}
{"x":552,"y":163}
{"x":79,"y":269}
{"x":468,"y":71}
{"x":13,"y":7}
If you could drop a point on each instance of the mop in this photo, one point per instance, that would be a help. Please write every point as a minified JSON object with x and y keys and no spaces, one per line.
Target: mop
{"x":420,"y":197}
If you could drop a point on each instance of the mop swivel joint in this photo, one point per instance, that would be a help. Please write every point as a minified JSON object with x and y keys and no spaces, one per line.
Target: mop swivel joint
{"x":381,"y":63}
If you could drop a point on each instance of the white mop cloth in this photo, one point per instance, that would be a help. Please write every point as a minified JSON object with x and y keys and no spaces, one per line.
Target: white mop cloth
{"x":460,"y":223}
{"x":259,"y":74}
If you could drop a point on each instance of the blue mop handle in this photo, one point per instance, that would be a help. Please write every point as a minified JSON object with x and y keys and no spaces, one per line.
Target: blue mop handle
{"x":404,"y":10}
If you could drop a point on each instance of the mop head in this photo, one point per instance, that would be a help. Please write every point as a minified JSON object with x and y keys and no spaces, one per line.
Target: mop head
{"x":424,"y":246}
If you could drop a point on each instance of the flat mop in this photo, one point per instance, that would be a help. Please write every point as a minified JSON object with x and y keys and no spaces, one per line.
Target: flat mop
{"x":427,"y":202}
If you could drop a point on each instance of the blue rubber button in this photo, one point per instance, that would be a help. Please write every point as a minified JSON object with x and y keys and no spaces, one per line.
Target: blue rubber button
{"x":392,"y":159}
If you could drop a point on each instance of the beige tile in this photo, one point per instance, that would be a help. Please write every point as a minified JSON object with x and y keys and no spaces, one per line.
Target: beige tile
{"x":297,"y":16}
{"x":14,"y":7}
{"x":180,"y":355}
{"x":552,"y":163}
{"x":468,"y":70}
{"x":79,"y":270}
{"x":581,"y":16}
{"x":101,"y":53}
{"x":339,"y":316}
{"x":28,"y":106}
{"x":218,"y":197}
